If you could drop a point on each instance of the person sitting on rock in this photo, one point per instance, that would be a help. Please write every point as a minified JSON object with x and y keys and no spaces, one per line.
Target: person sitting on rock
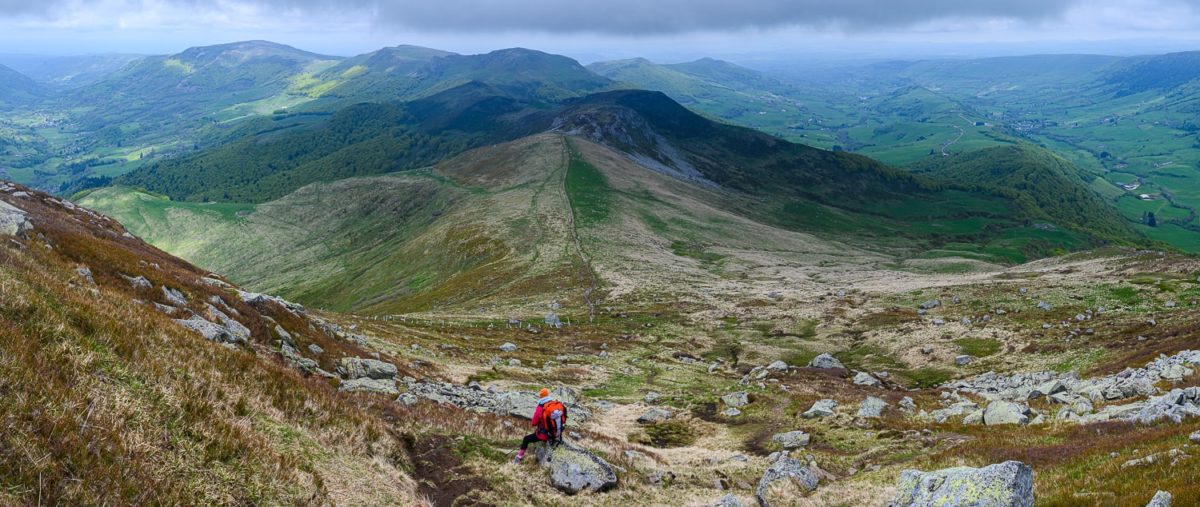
{"x":549,"y":420}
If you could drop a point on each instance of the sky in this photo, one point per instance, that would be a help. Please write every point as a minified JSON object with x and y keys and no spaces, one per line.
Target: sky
{"x":601,"y":29}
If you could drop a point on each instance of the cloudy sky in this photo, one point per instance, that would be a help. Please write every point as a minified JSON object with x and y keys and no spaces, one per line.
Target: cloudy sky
{"x":607,"y":28}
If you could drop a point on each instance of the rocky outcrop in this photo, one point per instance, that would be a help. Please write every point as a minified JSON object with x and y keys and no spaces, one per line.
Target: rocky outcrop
{"x":370,"y":385}
{"x":209,"y":330}
{"x":1005,"y":412}
{"x":574,"y":469}
{"x":1008,"y":484}
{"x":357,"y":367}
{"x":786,"y":478}
{"x":256,"y":298}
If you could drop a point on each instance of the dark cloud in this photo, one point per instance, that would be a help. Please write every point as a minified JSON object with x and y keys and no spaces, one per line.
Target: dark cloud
{"x":674,"y":16}
{"x":613,"y":17}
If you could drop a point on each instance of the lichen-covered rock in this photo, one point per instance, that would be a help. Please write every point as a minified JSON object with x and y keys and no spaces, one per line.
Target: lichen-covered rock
{"x":736,"y":400}
{"x":825,"y":361}
{"x":209,"y":330}
{"x":574,"y":469}
{"x":728,"y":501}
{"x":13,"y":220}
{"x":1008,"y":484}
{"x":174,"y":297}
{"x":370,"y":385}
{"x":871,"y":407}
{"x":654,"y":415}
{"x":1005,"y":412}
{"x":792,"y":439}
{"x":820,"y":408}
{"x":1161,"y":499}
{"x":786,"y":478}
{"x":357,"y":367}
{"x":863,"y":378}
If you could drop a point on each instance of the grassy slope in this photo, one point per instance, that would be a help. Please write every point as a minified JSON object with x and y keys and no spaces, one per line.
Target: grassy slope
{"x":108,"y":401}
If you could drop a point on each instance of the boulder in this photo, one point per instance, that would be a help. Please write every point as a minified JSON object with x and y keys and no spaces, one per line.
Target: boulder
{"x":931,"y":304}
{"x":230,"y":324}
{"x":731,"y":412}
{"x":777,"y":366}
{"x":370,"y":385}
{"x":357,"y":367}
{"x":1161,"y":499}
{"x":508,"y":347}
{"x":963,"y":360}
{"x":825,"y":361}
{"x":871,"y":407}
{"x":1005,"y":412}
{"x":863,"y":378}
{"x":737,"y":400}
{"x":792,"y":439}
{"x":13,"y":220}
{"x":1008,"y":484}
{"x":652,"y":397}
{"x":821,"y":408}
{"x":574,"y":469}
{"x":138,"y":282}
{"x":653,"y":415}
{"x":786,"y":478}
{"x":1195,"y":437}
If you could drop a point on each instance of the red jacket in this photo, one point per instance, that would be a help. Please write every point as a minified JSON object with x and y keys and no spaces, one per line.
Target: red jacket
{"x":536,"y":422}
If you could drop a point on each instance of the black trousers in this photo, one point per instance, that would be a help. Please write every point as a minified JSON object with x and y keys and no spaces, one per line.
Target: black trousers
{"x":529,"y":439}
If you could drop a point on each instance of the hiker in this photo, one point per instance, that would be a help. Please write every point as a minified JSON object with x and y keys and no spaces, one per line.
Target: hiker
{"x":549,"y":419}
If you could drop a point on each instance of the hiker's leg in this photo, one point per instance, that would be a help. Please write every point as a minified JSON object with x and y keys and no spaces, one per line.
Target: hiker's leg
{"x":529,"y":439}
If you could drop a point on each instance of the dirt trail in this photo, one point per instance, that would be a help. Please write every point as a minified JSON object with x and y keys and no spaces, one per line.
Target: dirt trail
{"x":583,"y":257}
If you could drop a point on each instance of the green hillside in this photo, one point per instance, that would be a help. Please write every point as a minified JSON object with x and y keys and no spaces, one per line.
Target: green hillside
{"x":1061,"y":194}
{"x":16,"y":89}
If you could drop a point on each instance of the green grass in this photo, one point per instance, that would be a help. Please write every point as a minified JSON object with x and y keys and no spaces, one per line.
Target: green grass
{"x":978,"y":347}
{"x":590,"y":194}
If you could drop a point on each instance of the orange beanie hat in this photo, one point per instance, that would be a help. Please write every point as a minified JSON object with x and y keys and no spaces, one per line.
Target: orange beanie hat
{"x":543,"y":393}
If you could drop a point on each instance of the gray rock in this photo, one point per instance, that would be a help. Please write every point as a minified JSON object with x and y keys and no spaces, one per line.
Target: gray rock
{"x":508,"y":347}
{"x":871,"y":407}
{"x":652,"y":397}
{"x":963,"y":360}
{"x":863,"y":378}
{"x":728,"y":501}
{"x":1005,"y":412}
{"x":357,"y":367}
{"x":731,"y":412}
{"x":792,"y":439}
{"x":737,"y":399}
{"x":370,"y":385}
{"x":825,"y":361}
{"x":514,"y":362}
{"x":1195,"y":437}
{"x":777,"y":366}
{"x":13,"y":220}
{"x":931,"y":304}
{"x":907,"y":404}
{"x":315,"y":349}
{"x":285,"y":336}
{"x":1008,"y":484}
{"x":85,"y":273}
{"x":232,"y":325}
{"x":574,"y":469}
{"x":138,"y":282}
{"x":1161,"y":499}
{"x":174,"y":297}
{"x":209,"y":330}
{"x":786,"y":478}
{"x":407,"y":399}
{"x":255,"y":298}
{"x":821,"y":408}
{"x":654,"y":415}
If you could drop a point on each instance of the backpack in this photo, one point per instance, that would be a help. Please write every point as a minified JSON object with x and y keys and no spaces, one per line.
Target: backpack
{"x":554,"y":419}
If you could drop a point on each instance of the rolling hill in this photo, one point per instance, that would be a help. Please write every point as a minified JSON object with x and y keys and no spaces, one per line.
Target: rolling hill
{"x":16,"y":89}
{"x":64,"y":72}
